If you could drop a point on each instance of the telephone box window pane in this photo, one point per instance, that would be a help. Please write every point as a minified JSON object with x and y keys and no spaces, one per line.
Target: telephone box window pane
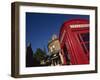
{"x":79,"y":38}
{"x":66,"y":54}
{"x":87,"y":46}
{"x":85,"y":36}
{"x":84,"y":48}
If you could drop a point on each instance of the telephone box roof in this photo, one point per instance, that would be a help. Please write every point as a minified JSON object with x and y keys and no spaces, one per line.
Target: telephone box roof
{"x":67,"y":23}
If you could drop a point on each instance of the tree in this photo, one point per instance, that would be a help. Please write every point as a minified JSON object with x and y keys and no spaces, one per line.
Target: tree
{"x":29,"y":56}
{"x":40,"y":54}
{"x":44,"y":50}
{"x":31,"y":60}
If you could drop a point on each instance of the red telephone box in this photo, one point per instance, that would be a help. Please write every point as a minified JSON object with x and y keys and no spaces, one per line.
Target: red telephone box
{"x":74,"y":40}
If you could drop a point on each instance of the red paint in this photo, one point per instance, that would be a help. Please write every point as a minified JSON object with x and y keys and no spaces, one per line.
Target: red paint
{"x":69,"y":41}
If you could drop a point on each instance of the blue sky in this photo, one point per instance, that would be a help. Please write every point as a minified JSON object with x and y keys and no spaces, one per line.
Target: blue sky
{"x":41,"y":26}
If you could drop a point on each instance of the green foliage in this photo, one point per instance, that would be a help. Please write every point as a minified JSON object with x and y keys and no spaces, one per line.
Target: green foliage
{"x":39,"y":54}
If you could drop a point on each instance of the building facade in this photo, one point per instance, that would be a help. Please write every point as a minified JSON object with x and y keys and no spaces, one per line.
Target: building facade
{"x":55,"y":51}
{"x":74,"y":42}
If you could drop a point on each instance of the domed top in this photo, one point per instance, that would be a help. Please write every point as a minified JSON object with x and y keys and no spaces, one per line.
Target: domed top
{"x":54,"y":37}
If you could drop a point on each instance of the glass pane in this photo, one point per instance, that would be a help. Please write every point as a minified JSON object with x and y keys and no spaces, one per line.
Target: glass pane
{"x":84,"y":48}
{"x":85,"y":36}
{"x":87,"y":46}
{"x":67,"y":56}
{"x":79,"y":38}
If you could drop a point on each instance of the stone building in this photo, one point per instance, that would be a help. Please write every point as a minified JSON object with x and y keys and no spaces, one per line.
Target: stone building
{"x":54,"y":51}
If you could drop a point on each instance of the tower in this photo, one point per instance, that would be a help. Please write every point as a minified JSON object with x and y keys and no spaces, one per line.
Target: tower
{"x":54,"y":50}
